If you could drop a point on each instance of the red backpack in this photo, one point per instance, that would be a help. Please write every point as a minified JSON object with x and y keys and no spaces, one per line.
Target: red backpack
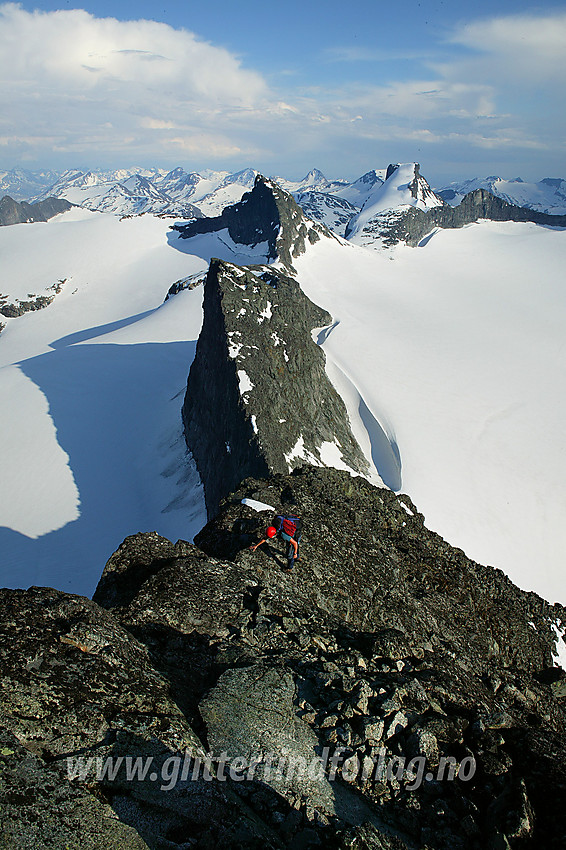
{"x":289,"y":525}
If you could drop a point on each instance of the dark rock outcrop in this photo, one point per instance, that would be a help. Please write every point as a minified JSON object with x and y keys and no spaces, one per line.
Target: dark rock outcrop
{"x":82,"y":700}
{"x":258,"y":400}
{"x":383,"y":641}
{"x":12,"y":212}
{"x":387,"y":693}
{"x":35,"y":302}
{"x":410,"y":225}
{"x":267,"y":215}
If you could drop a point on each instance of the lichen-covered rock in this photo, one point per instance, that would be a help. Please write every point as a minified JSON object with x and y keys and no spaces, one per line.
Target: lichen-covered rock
{"x":81,"y":705}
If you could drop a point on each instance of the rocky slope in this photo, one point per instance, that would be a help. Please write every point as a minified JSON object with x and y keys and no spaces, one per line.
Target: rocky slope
{"x":407,"y":694}
{"x":258,"y":400}
{"x":548,"y":195}
{"x":12,"y":212}
{"x":330,"y":210}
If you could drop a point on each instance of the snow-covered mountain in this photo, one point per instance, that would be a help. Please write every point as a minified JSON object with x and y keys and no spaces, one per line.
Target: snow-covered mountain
{"x":404,"y":187}
{"x":182,"y":194}
{"x":120,"y":193}
{"x":330,"y":210}
{"x":314,"y":181}
{"x":548,"y":195}
{"x":228,"y":191}
{"x":358,"y":192}
{"x":23,"y":185}
{"x":135,"y":192}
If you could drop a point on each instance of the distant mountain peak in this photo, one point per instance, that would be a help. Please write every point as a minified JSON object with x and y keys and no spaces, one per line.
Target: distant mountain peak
{"x":404,"y":187}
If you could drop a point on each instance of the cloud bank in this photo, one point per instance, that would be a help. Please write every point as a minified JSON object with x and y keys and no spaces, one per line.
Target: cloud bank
{"x":75,"y":82}
{"x":98,"y":91}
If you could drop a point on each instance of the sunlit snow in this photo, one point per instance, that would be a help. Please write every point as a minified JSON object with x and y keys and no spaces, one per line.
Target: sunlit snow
{"x":456,"y":353}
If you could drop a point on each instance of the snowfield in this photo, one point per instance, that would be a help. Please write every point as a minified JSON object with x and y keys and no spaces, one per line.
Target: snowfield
{"x":457,"y":349}
{"x":91,"y":389}
{"x":450,"y":359}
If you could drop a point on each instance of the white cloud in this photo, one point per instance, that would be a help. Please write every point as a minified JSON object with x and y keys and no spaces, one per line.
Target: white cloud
{"x":526,"y":48}
{"x":72,"y":79}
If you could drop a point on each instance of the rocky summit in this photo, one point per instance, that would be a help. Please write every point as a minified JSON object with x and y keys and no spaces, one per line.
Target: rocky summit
{"x":386,"y":693}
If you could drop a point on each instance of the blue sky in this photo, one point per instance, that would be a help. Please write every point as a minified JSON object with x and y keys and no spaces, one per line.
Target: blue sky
{"x":284,"y":87}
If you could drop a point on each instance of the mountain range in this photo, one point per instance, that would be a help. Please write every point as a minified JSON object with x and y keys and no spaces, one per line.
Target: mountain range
{"x":178,"y":193}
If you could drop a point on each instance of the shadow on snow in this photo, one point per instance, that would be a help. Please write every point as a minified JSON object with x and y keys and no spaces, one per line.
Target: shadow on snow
{"x":116,"y":410}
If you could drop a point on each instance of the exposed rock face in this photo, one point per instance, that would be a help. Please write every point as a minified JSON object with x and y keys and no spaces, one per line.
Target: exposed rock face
{"x":267,"y":215}
{"x":383,"y":640}
{"x":412,"y":224}
{"x":258,"y":400}
{"x":12,"y":212}
{"x":418,"y":187}
{"x":332,"y":211}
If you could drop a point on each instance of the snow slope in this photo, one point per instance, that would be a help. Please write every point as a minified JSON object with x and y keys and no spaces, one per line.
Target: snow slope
{"x":457,"y":350}
{"x":91,"y":389}
{"x":358,"y":192}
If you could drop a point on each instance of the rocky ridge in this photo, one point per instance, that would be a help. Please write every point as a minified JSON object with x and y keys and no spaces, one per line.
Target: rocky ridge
{"x":267,"y":215}
{"x":12,"y":212}
{"x":411,"y":225}
{"x":258,"y":400}
{"x":407,"y":693}
{"x":387,"y":693}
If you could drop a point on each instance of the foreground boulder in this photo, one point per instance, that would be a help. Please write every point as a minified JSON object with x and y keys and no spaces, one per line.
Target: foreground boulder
{"x":90,"y":738}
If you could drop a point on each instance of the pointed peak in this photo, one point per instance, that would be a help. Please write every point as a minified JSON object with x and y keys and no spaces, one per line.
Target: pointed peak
{"x":266,"y":214}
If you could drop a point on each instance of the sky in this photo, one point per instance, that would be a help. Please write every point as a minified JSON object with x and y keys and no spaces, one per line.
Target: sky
{"x":465,"y":89}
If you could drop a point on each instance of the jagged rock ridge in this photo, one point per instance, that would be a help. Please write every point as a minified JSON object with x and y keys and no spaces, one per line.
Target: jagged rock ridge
{"x":266,"y":214}
{"x":383,"y":637}
{"x":258,"y":400}
{"x":12,"y":212}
